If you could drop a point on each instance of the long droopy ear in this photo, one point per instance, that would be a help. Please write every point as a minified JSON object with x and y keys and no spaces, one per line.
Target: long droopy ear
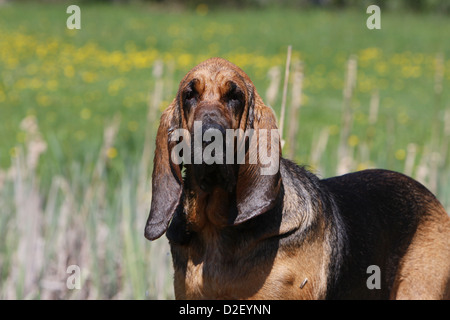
{"x":166,"y":179}
{"x":258,"y":188}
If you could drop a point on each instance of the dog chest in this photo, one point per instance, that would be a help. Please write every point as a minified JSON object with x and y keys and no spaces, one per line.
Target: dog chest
{"x":234,"y":276}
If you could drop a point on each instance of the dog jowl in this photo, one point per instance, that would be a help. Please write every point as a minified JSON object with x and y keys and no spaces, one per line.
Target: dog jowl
{"x":213,"y":151}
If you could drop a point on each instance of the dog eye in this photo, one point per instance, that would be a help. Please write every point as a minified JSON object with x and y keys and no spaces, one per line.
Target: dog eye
{"x":189,"y":94}
{"x":234,"y":97}
{"x":190,"y":97}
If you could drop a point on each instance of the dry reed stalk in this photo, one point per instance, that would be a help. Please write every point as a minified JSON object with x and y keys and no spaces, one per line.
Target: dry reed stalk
{"x":364,"y":153}
{"x":130,"y":258}
{"x":69,"y":246}
{"x":345,"y":161}
{"x":390,"y":141}
{"x":296,"y":102}
{"x":170,"y":81}
{"x":52,"y":283}
{"x":410,"y":159}
{"x":97,"y":188}
{"x":28,"y":258}
{"x":446,"y":137}
{"x":434,"y":172}
{"x":319,"y":146}
{"x":29,"y":252}
{"x":374,"y":107}
{"x":153,"y":105}
{"x":274,"y":75}
{"x":423,"y":169}
{"x":285,"y":86}
{"x":34,"y":141}
{"x":164,"y":264}
{"x":2,"y":179}
{"x":29,"y":213}
{"x":373,"y":118}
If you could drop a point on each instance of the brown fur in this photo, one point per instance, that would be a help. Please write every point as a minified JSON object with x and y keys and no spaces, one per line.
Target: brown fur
{"x":424,"y":270}
{"x":237,"y":234}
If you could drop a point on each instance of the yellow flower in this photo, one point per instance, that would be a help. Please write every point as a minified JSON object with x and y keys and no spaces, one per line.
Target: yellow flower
{"x":114,"y":58}
{"x":125,"y":66}
{"x":111,"y":153}
{"x":353,"y":140}
{"x":369,"y":54}
{"x":35,"y":83}
{"x":410,"y":71}
{"x":43,"y":100}
{"x":89,"y":77}
{"x":41,"y":51}
{"x":21,"y":136}
{"x":140,"y":60}
{"x":12,"y":62}
{"x":115,"y":85}
{"x":185,"y":60}
{"x":133,"y":126}
{"x":13,"y":152}
{"x":381,"y":67}
{"x":400,"y":154}
{"x":333,"y":130}
{"x":85,"y":114}
{"x":32,"y":69}
{"x":403,"y":117}
{"x":21,"y":84}
{"x":69,"y":71}
{"x":52,"y":85}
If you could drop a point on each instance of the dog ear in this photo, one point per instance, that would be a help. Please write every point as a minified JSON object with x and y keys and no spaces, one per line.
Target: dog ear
{"x":257,"y":185}
{"x":166,"y":178}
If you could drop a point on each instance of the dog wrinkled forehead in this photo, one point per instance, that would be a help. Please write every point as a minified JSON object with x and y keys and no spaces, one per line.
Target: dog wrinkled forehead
{"x":216,"y":70}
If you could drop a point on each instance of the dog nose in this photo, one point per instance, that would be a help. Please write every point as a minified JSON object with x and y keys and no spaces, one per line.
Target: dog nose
{"x":209,"y":130}
{"x":211,"y":115}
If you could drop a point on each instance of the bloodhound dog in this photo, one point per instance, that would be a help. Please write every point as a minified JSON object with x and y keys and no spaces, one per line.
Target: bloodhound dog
{"x":236,"y":232}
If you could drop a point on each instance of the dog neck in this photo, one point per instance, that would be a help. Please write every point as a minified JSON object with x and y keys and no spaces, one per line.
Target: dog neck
{"x":207,"y":209}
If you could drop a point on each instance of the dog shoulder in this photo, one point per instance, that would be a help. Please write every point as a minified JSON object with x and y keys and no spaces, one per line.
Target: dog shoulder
{"x":382,"y":211}
{"x":381,"y":188}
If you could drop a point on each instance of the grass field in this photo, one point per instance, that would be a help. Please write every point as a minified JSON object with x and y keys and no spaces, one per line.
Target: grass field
{"x":80,"y":109}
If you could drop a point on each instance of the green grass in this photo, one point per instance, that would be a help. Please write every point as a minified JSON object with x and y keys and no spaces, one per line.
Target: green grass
{"x":323,"y":40}
{"x":74,"y":83}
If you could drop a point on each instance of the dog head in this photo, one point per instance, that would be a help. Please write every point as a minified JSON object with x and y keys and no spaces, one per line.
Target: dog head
{"x":207,"y":127}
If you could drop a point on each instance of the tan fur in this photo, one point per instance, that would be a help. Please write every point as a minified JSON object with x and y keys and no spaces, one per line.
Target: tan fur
{"x":424,"y":271}
{"x":265,"y":265}
{"x":204,"y":209}
{"x":280,"y":278}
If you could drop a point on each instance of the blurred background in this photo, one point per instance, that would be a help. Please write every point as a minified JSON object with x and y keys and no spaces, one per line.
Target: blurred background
{"x":79,"y":111}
